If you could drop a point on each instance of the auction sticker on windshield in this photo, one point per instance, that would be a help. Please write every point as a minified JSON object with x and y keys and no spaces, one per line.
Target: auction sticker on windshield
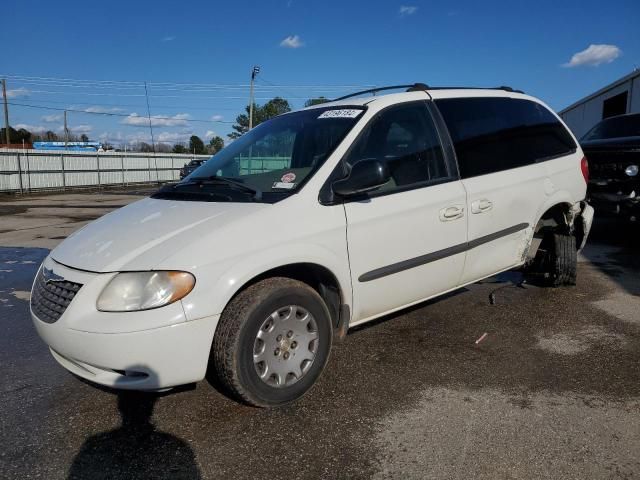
{"x":288,"y":177}
{"x":285,"y":185}
{"x":347,"y":113}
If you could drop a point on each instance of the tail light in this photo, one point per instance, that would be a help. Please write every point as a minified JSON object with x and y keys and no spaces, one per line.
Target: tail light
{"x":584,"y":166}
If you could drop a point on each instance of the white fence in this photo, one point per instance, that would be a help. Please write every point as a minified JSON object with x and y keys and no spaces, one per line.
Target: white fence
{"x":28,"y":170}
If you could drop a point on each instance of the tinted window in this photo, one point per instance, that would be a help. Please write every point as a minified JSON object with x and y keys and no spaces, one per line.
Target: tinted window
{"x":406,"y":139}
{"x":494,"y":134}
{"x":625,"y":126}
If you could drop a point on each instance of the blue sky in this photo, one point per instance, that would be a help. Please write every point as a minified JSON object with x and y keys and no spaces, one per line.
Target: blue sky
{"x":306,"y":47}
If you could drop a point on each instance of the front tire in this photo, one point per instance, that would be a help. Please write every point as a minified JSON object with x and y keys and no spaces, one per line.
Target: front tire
{"x":272,"y":342}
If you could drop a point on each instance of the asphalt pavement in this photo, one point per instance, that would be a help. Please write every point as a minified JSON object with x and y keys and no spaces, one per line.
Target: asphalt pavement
{"x":551,"y":391}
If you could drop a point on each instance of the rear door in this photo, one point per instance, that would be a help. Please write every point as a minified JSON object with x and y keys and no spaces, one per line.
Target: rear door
{"x":404,"y":239}
{"x":501,"y":144}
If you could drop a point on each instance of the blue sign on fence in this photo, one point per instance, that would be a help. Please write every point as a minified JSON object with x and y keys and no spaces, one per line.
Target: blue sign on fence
{"x":81,"y":146}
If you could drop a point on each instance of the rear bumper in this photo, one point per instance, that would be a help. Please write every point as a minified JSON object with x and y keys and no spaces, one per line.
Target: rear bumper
{"x":582,"y":223}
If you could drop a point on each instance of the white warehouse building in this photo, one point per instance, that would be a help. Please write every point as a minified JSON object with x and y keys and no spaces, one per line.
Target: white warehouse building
{"x":617,"y":98}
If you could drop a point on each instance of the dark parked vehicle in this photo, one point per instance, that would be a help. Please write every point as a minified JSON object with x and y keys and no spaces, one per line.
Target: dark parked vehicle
{"x":190,"y":167}
{"x":612,"y":148}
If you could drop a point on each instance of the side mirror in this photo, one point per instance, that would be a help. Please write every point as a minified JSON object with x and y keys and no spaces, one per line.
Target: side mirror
{"x":365,"y":175}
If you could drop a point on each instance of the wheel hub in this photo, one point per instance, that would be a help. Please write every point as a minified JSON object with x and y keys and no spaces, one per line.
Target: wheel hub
{"x":285,"y":346}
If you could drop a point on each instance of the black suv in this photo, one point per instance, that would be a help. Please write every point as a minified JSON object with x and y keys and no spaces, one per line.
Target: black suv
{"x":612,"y":148}
{"x":190,"y":167}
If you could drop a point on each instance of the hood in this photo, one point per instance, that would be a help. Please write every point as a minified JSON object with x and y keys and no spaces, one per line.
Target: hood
{"x":619,"y":143}
{"x":142,"y":234}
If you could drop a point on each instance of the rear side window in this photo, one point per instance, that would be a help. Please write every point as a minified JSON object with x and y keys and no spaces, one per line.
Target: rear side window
{"x":406,"y":139}
{"x":495,"y":134}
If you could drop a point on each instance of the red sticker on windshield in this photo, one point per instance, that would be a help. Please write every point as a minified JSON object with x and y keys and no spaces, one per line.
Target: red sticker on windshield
{"x":288,"y":177}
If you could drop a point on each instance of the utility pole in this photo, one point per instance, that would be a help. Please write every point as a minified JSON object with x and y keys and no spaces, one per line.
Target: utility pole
{"x":254,"y":72}
{"x":146,"y":94}
{"x":6,"y":112}
{"x":66,"y":131}
{"x":153,"y":143}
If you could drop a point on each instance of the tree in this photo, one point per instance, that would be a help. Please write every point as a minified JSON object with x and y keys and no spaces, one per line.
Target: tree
{"x":179,"y":148}
{"x":273,"y":108}
{"x":316,"y":101}
{"x":196,"y":145}
{"x":84,"y":138}
{"x":50,"y":136}
{"x":216,"y":144}
{"x":16,"y":136}
{"x":143,"y":147}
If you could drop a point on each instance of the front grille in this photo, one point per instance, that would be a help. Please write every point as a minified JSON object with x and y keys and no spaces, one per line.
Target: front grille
{"x":50,"y":299}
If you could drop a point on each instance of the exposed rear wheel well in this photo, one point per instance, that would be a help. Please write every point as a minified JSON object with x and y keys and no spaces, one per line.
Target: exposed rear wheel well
{"x":556,"y":219}
{"x":321,"y":279}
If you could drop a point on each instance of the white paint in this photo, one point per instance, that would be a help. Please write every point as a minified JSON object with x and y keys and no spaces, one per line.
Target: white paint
{"x":22,"y":295}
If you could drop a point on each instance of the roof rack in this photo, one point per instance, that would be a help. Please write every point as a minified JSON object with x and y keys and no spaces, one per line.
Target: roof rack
{"x":423,"y":86}
{"x":503,"y":87}
{"x":379,"y":89}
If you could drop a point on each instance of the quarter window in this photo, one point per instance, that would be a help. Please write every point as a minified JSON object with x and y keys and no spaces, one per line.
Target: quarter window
{"x":495,"y":134}
{"x":406,"y":139}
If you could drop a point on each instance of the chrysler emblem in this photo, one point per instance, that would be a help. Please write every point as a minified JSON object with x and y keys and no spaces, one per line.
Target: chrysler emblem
{"x":49,"y":276}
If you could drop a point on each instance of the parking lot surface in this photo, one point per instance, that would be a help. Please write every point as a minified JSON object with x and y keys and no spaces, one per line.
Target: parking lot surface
{"x":551,"y":391}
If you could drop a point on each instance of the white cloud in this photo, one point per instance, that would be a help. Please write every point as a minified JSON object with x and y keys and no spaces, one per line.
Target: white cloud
{"x":173,"y":137}
{"x":80,"y":129}
{"x":100,"y":109}
{"x":594,"y":55}
{"x":18,"y":92}
{"x":169,"y":38}
{"x":76,"y":130}
{"x":216,"y":118}
{"x":210,"y":134}
{"x":51,"y":118}
{"x":407,"y":10}
{"x":292,"y":41}
{"x":157,"y":120}
{"x":31,"y":128}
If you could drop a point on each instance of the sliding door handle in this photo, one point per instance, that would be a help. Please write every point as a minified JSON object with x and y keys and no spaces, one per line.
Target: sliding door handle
{"x":480,"y":206}
{"x":451,"y":213}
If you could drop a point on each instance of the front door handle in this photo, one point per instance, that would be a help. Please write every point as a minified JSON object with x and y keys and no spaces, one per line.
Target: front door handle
{"x":451,"y":213}
{"x":481,"y":206}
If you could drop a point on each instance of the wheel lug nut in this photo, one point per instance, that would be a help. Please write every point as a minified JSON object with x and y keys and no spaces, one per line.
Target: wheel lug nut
{"x":277,"y":352}
{"x":289,"y":334}
{"x":279,"y":338}
{"x":294,"y":344}
{"x":286,"y":355}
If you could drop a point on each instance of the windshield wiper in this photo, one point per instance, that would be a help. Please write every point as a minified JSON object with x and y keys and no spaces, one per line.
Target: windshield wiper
{"x":214,"y":179}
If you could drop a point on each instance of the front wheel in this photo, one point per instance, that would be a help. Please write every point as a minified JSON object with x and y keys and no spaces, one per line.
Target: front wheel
{"x":272,"y":342}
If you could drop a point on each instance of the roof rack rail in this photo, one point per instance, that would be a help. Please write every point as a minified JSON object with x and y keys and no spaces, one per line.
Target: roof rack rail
{"x":412,"y":87}
{"x":502,"y":87}
{"x":423,"y":86}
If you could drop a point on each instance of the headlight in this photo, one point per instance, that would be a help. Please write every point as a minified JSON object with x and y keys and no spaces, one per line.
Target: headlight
{"x":132,"y":291}
{"x":631,"y":170}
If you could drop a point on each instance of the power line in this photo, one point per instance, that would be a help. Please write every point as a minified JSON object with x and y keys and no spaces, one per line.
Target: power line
{"x":115,"y":114}
{"x":163,"y":85}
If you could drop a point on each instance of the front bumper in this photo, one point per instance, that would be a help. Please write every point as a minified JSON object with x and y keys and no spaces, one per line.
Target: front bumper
{"x":616,"y":197}
{"x":149,"y":350}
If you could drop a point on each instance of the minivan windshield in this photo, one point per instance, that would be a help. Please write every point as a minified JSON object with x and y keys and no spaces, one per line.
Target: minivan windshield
{"x":615,"y":127}
{"x":272,"y":160}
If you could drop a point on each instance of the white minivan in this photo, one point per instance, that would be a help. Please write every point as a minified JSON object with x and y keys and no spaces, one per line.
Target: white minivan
{"x":311,"y":223}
